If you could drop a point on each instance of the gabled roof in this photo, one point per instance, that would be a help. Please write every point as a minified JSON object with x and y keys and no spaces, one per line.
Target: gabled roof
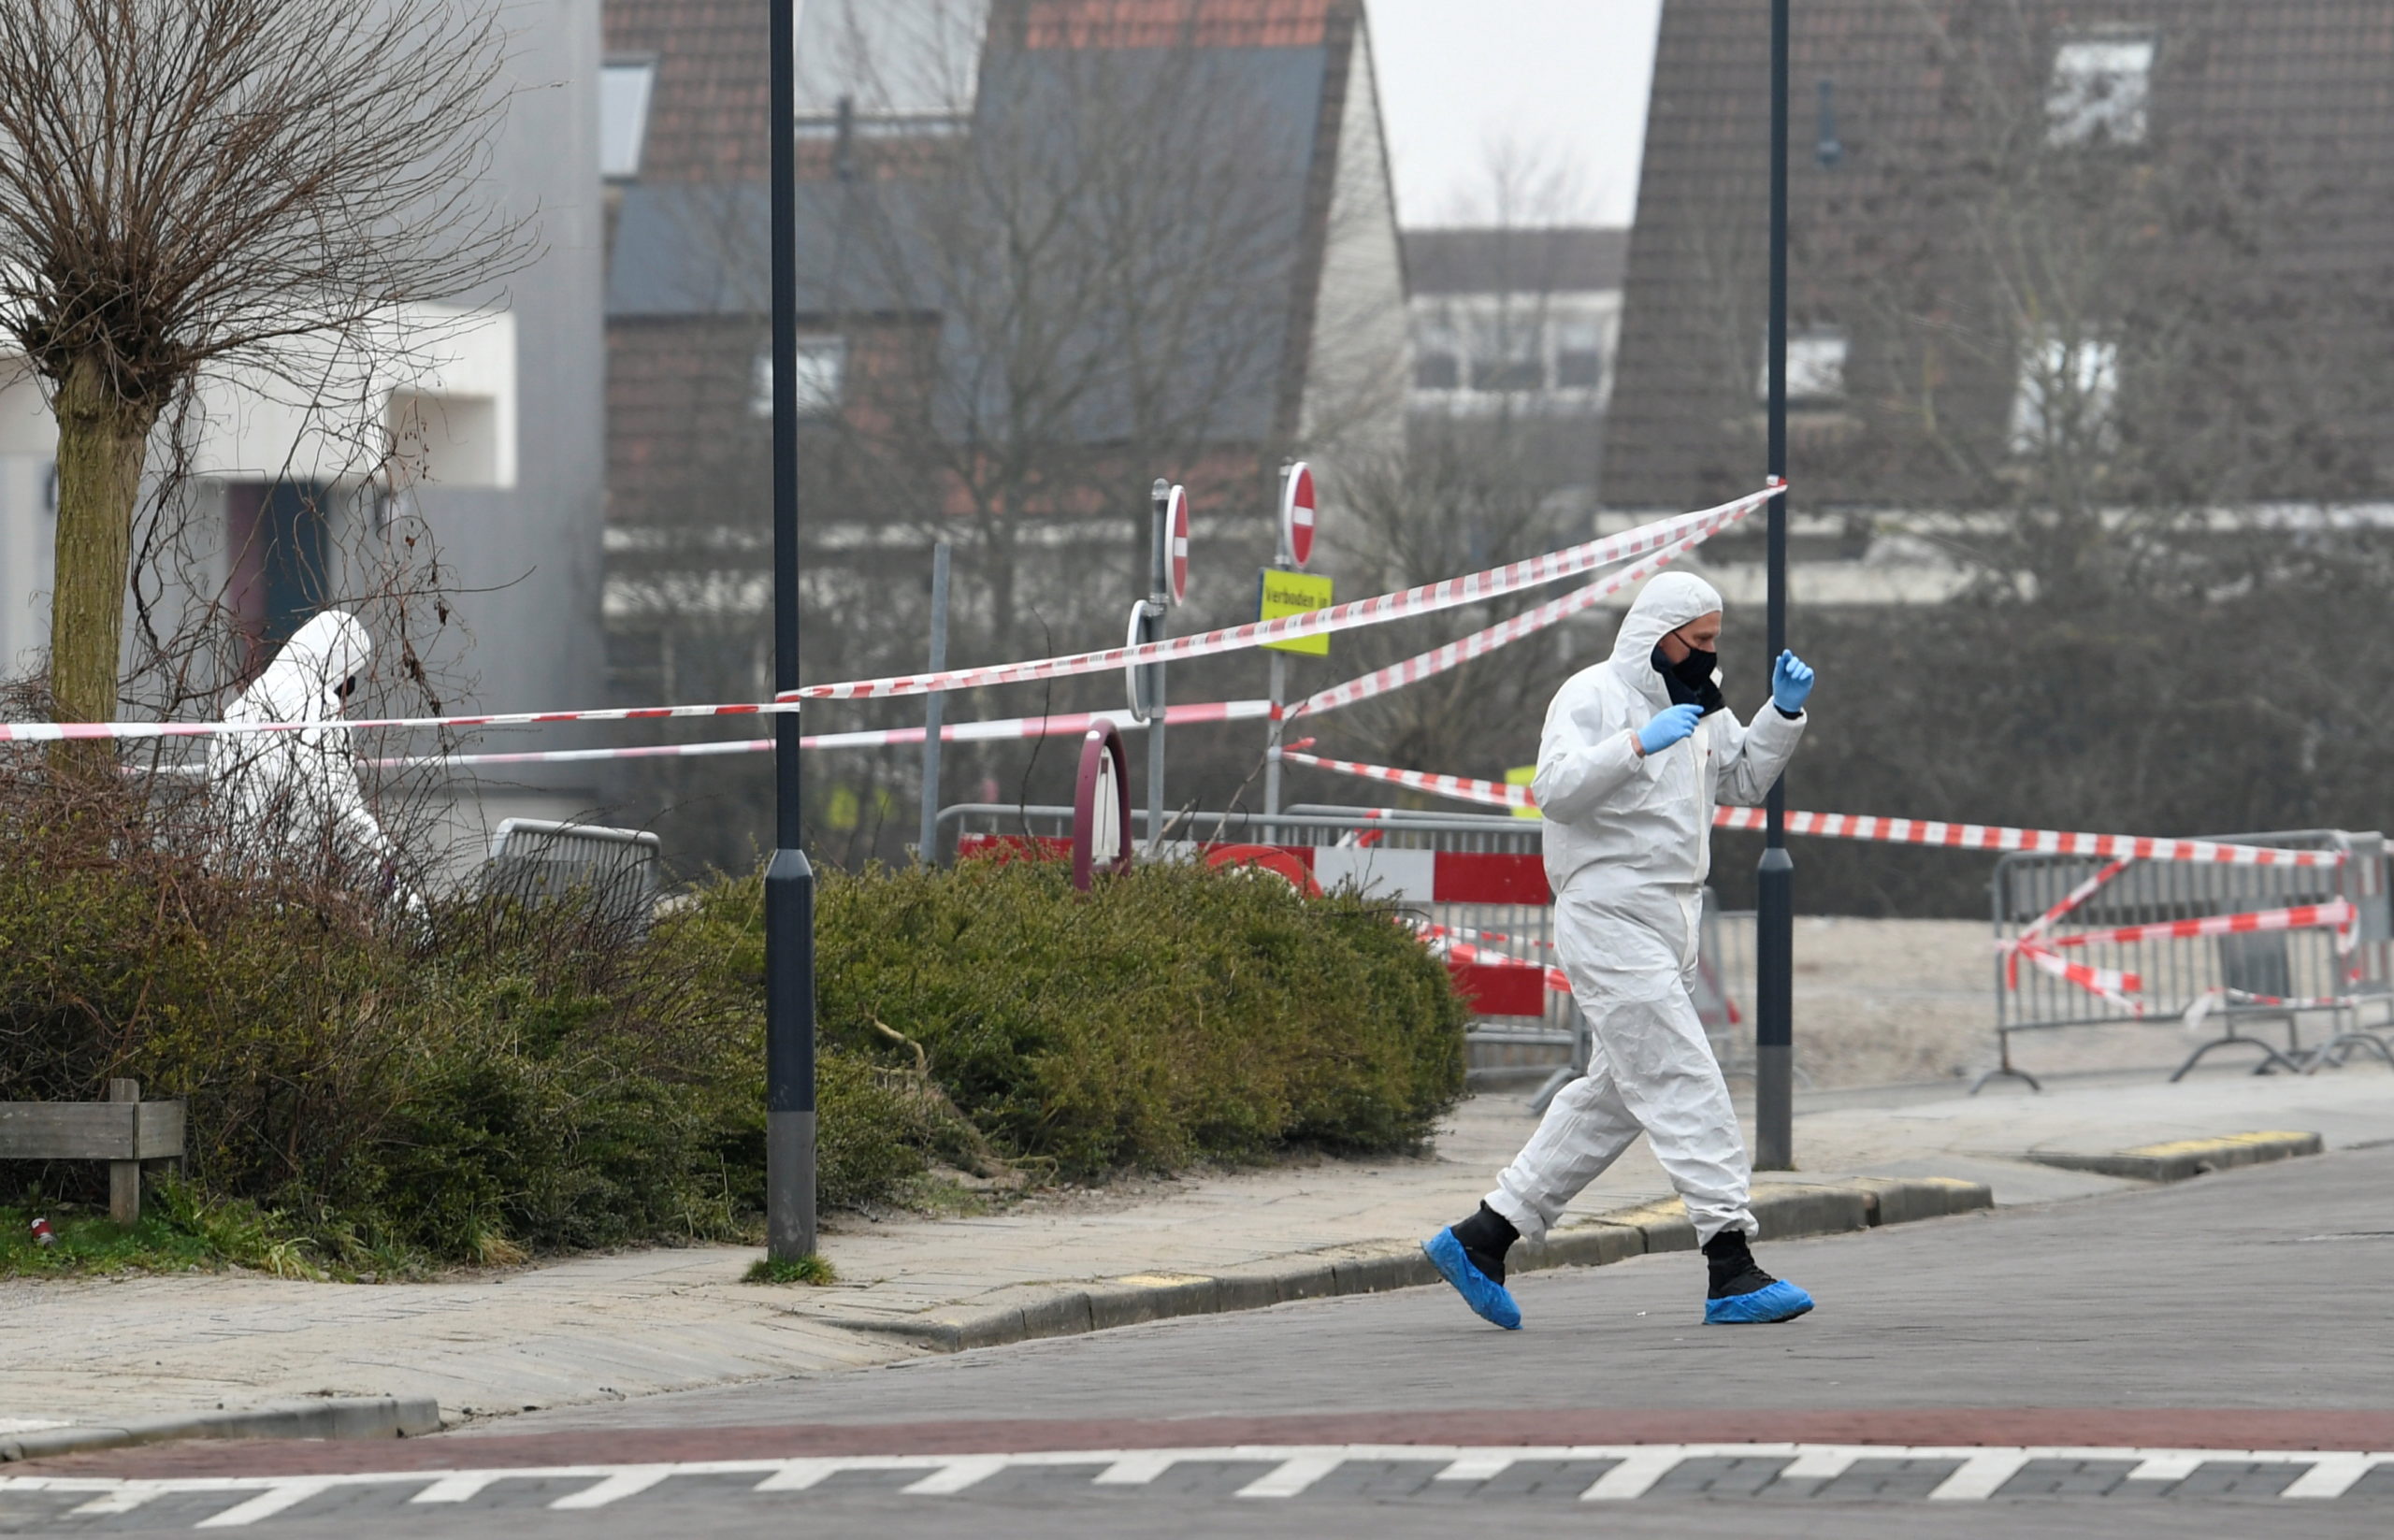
{"x":2295,"y":97}
{"x":1169,"y":23}
{"x":690,"y":233}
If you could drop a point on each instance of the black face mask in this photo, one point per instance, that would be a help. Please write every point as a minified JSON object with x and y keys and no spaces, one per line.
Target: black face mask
{"x":1690,"y":679}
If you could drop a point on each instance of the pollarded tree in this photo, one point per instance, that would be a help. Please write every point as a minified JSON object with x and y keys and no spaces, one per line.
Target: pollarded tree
{"x":217,"y":187}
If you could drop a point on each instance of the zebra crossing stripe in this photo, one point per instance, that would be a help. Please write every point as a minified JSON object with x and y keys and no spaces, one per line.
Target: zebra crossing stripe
{"x":1635,"y":1472}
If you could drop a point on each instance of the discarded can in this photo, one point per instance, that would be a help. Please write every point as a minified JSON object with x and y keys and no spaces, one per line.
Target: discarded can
{"x":43,"y":1234}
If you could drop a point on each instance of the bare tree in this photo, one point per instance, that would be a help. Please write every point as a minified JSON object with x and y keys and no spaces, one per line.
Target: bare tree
{"x":195,"y":188}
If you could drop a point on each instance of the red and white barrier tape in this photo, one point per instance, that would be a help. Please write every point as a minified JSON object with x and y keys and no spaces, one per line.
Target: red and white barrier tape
{"x":52,"y":732}
{"x":1920,"y":831}
{"x":2337,"y":915}
{"x":1003,"y":730}
{"x":1462,"y":789}
{"x":1455,"y":653}
{"x":1846,"y":826}
{"x":1428,"y":599}
{"x":1448,"y":941}
{"x":2113,"y":984}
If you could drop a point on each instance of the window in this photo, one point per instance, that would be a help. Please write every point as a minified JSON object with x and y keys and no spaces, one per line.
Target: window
{"x":822,"y":374}
{"x":1578,"y":352}
{"x":1506,"y":355}
{"x":1437,"y":371}
{"x":624,"y":89}
{"x":1438,"y":352}
{"x":1815,"y":368}
{"x":2066,"y":389}
{"x":2101,"y":85}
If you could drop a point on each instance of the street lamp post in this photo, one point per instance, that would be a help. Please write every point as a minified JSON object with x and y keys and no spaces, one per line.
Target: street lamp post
{"x":790,"y":880}
{"x":1774,"y":896}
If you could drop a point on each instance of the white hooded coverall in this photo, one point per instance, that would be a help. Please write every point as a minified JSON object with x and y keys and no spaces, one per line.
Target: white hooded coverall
{"x":293,"y":797}
{"x":1628,"y":845}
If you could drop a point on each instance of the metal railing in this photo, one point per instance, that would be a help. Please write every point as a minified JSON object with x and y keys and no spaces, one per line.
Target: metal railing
{"x":2274,"y":977}
{"x":538,"y":859}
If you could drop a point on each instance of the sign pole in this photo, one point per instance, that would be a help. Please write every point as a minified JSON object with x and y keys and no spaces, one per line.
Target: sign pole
{"x":790,"y":880}
{"x":1293,"y":549}
{"x":1151,"y":629}
{"x":1279,"y":671}
{"x":1774,"y":897}
{"x":1272,"y":749}
{"x":928,"y":850}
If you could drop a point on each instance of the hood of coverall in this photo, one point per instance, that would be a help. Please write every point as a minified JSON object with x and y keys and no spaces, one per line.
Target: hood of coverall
{"x":303,"y":683}
{"x":1665,"y":605}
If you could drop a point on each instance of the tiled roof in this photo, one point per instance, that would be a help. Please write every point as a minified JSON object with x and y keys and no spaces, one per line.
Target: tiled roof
{"x":1560,"y":260}
{"x":707,"y":109}
{"x":2287,"y":106}
{"x":1169,"y":23}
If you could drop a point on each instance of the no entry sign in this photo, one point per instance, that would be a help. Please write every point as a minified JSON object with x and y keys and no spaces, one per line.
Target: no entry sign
{"x":1179,"y":565}
{"x":1296,"y":513}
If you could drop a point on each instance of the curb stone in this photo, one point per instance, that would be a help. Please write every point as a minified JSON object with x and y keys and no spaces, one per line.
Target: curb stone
{"x":1784,"y":1211}
{"x":2183,"y":1160}
{"x":362,"y":1417}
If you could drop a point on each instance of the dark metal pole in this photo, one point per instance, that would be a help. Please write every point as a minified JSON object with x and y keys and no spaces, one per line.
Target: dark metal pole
{"x":1774,"y":897}
{"x":927,"y":851}
{"x":789,"y":882}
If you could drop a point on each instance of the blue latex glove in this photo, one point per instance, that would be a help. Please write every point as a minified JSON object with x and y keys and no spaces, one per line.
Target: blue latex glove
{"x":1671,"y":726}
{"x":1791,"y":682}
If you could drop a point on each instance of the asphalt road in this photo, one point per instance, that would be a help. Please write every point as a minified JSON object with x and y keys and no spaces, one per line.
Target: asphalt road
{"x":2239,"y":1318}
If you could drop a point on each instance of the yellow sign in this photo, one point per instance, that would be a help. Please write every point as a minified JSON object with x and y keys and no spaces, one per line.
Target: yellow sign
{"x":1295,"y":593}
{"x":1522,"y":777}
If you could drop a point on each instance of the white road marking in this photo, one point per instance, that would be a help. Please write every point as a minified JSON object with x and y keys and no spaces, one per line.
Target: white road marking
{"x":1635,"y":1475}
{"x":798,"y":1476}
{"x":266,"y":1504}
{"x":2174,"y":1465}
{"x":1295,"y":1469}
{"x":1820,"y":1462}
{"x":1292,"y":1476}
{"x":1136,"y":1470}
{"x":2330,"y":1476}
{"x":1980,"y":1476}
{"x":955,"y":1475}
{"x":463,"y":1486}
{"x":615,"y":1489}
{"x":1476,"y":1467}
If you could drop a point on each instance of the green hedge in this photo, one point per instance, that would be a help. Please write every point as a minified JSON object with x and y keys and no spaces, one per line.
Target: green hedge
{"x":506,"y":1080}
{"x":1173,"y":1015}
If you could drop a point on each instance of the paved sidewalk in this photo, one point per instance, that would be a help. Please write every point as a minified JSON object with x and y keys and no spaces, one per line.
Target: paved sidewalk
{"x":608,"y":1328}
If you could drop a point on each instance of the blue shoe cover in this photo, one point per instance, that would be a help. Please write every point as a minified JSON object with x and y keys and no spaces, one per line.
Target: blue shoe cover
{"x":1781,"y":1300}
{"x":1484,"y":1294}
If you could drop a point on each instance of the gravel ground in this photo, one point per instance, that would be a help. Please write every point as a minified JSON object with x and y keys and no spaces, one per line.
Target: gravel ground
{"x":1884,"y":1002}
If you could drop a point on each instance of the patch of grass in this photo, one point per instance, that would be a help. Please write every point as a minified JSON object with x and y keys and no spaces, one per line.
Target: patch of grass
{"x":180,"y":1232}
{"x":809,"y":1269}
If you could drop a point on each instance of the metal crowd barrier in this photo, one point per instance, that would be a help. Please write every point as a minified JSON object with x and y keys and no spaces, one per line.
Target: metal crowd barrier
{"x":535,"y":859}
{"x":2274,"y":978}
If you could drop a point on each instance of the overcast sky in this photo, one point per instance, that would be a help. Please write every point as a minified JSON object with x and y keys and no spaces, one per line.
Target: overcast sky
{"x":1560,"y":82}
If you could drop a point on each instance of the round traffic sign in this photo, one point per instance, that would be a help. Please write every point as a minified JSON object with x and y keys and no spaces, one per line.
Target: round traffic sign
{"x":1101,"y":808}
{"x":1180,"y":525}
{"x":1296,"y":513}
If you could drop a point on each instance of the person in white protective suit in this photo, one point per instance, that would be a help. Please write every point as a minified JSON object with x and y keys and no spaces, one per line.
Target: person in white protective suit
{"x":1636,"y":752}
{"x":291,"y":798}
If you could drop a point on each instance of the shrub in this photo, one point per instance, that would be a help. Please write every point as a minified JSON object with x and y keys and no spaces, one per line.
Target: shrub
{"x":1171,"y":1015}
{"x":370,"y":1090}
